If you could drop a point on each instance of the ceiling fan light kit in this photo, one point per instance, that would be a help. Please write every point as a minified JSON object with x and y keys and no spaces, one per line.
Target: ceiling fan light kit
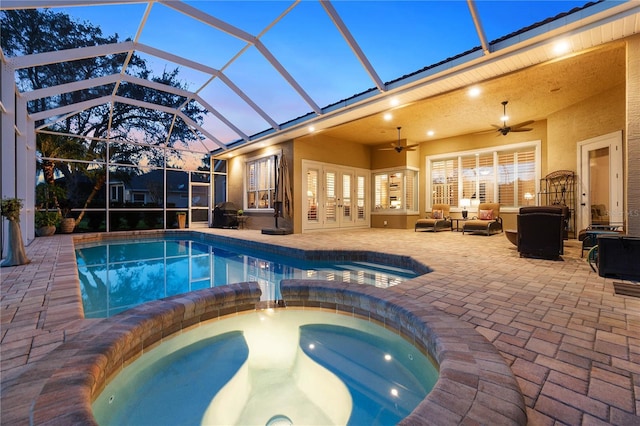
{"x":504,"y":130}
{"x":398,"y":147}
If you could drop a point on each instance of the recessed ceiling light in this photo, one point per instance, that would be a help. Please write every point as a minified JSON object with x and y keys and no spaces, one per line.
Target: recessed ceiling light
{"x":394,"y":102}
{"x":312,"y":129}
{"x":561,"y":47}
{"x":474,"y":92}
{"x":430,"y":133}
{"x":388,"y":116}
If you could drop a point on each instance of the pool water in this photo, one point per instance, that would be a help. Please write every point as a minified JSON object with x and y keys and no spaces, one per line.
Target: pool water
{"x":304,"y":367}
{"x":118,"y":275}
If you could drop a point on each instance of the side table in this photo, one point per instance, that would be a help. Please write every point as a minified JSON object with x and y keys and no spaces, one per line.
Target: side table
{"x":456,"y":224}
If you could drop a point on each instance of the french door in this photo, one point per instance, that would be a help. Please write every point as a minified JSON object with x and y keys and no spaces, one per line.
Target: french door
{"x":600,"y":161}
{"x":336,"y":196}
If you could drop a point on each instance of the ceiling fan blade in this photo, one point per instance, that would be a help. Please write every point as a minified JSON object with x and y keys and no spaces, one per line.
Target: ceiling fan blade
{"x":410,"y":149}
{"x":386,"y":149}
{"x":522,"y":129}
{"x":412,"y":146}
{"x":484,"y":131}
{"x":524,"y":123}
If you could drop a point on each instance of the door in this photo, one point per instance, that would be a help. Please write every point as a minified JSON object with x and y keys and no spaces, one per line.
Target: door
{"x":335,"y":196}
{"x":601,"y":189}
{"x":199,"y":205}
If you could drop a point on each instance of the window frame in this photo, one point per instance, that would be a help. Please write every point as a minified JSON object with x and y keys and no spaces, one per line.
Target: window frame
{"x":275,"y":158}
{"x":458,"y":156}
{"x":119,"y":190}
{"x":408,"y":173}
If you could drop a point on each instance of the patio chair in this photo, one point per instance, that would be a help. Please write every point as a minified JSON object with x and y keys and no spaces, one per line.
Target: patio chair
{"x":541,"y":231}
{"x":488,"y":220}
{"x":438,"y":219}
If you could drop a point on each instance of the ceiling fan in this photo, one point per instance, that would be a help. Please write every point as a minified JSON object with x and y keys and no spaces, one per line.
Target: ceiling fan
{"x":504,"y":129}
{"x":398,"y":147}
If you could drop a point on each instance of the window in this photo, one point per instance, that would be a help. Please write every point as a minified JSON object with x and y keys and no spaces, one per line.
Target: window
{"x":516,"y":178}
{"x":139,"y":197}
{"x":260,"y":183}
{"x":478,"y":177}
{"x":395,"y":191}
{"x":117,"y":193}
{"x":507,"y":175}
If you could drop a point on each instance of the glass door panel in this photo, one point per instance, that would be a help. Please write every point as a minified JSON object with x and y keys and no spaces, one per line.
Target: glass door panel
{"x":346,"y":198}
{"x":601,"y":181}
{"x":330,"y":197}
{"x":599,"y":186}
{"x":199,"y":203}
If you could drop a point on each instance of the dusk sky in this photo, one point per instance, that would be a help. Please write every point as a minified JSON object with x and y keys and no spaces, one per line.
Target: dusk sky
{"x":398,"y":37}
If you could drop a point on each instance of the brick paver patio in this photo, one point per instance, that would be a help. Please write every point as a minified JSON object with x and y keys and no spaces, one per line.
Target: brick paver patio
{"x":572,"y":343}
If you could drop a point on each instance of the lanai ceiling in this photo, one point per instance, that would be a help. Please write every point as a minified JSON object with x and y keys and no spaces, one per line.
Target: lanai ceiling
{"x":268,"y":71}
{"x":533,"y":94}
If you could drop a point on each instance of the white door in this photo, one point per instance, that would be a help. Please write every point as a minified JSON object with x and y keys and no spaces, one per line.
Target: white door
{"x":600,"y":192}
{"x":335,"y":196}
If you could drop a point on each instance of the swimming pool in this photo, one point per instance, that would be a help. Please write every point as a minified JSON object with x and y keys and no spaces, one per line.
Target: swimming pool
{"x":305,"y":367}
{"x":119,"y":274}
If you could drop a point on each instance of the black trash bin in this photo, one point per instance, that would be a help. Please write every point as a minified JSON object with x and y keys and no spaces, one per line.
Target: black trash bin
{"x":225,"y":215}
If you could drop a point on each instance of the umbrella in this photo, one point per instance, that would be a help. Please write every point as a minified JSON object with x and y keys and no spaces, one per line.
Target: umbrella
{"x":283,"y":191}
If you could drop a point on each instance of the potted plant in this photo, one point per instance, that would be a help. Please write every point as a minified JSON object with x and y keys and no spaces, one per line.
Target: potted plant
{"x":46,"y":222}
{"x":182,"y":219}
{"x":67,"y":223}
{"x":47,"y":215}
{"x":16,"y":255}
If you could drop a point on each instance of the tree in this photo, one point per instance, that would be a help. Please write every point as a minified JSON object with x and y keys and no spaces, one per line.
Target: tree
{"x":34,"y":31}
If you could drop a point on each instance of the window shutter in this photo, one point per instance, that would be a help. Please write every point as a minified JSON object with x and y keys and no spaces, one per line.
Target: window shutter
{"x":361,"y":196}
{"x":526,"y":176}
{"x":506,"y":179}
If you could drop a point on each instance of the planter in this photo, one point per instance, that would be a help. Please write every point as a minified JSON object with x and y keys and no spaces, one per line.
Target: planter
{"x":67,"y":225}
{"x":15,"y":254}
{"x":45,"y":231}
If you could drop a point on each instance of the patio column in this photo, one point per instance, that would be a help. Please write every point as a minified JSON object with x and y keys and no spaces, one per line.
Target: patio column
{"x":7,"y":144}
{"x":26,"y":172}
{"x":633,"y":136}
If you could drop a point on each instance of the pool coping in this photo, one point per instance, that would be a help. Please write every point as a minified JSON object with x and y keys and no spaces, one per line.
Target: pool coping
{"x":475,"y":384}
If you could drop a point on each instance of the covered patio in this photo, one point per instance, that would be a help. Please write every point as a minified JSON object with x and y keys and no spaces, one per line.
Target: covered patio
{"x":571,"y":341}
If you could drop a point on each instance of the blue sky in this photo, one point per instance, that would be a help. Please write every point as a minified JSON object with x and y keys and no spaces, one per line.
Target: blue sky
{"x":398,"y":37}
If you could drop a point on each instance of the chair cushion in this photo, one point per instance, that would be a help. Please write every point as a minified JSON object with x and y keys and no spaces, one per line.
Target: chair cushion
{"x":485,"y":215}
{"x":436,"y":214}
